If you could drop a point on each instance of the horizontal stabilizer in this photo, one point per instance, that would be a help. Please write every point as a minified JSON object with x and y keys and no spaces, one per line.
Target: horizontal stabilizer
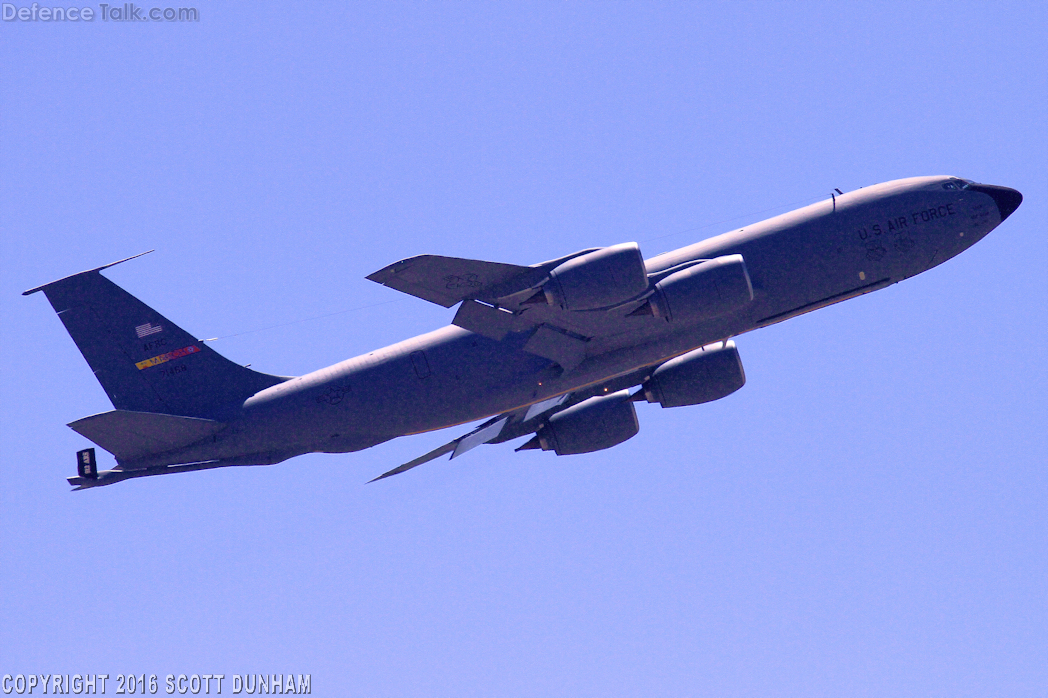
{"x":111,"y":477}
{"x":131,"y":435}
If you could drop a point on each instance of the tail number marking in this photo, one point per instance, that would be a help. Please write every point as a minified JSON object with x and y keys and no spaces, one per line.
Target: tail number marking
{"x":164,"y":358}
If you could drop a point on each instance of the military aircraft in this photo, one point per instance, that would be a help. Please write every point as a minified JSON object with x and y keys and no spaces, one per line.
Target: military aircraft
{"x":560,"y":351}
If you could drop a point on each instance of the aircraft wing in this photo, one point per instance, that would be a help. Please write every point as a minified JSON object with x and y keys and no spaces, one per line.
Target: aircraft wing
{"x":449,"y":280}
{"x":486,"y":432}
{"x":492,"y":296}
{"x":522,"y":421}
{"x":493,"y":430}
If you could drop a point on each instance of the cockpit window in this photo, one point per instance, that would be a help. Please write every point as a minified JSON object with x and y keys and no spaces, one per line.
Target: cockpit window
{"x":955,"y":183}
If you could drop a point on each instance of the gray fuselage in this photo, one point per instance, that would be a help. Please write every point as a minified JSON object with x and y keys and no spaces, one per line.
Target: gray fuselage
{"x":799,"y":261}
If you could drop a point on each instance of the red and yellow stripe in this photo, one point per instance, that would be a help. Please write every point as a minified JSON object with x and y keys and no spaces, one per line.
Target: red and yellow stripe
{"x":164,"y":358}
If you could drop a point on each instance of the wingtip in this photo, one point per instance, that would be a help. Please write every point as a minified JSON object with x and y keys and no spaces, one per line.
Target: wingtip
{"x":391,"y":270}
{"x":389,"y":473}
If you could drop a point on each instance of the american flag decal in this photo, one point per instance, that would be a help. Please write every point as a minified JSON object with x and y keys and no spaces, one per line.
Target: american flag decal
{"x":148,"y":329}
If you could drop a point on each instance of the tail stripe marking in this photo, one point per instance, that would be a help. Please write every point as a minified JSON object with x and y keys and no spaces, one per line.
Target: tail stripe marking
{"x":163,"y":358}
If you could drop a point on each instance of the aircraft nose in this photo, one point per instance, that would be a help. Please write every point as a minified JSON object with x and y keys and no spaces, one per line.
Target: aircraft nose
{"x":1007,"y":200}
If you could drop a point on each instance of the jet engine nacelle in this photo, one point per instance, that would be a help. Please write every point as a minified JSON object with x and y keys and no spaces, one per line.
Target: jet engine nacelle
{"x":599,"y":279}
{"x":591,"y":425}
{"x":702,"y":375}
{"x":705,"y":291}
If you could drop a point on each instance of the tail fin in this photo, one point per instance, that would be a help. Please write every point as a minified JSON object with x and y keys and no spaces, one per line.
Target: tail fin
{"x":145,"y":362}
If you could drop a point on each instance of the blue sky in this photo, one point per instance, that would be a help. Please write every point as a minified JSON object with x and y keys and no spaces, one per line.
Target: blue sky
{"x":866,"y":517}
